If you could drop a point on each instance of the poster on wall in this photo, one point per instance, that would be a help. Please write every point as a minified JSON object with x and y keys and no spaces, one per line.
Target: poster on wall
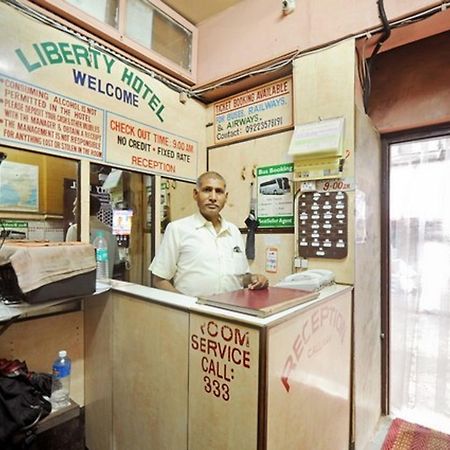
{"x":275,"y":196}
{"x":257,"y":112}
{"x":19,"y":186}
{"x":63,"y":95}
{"x":14,"y":229}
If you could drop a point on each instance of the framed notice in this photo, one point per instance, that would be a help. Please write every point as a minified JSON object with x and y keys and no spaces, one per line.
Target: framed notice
{"x":257,"y":112}
{"x":275,"y":196}
{"x":271,"y":259}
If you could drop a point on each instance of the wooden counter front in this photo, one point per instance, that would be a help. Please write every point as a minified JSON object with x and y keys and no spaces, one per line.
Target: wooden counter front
{"x":136,"y":375}
{"x":308,"y":379}
{"x":223,"y":384}
{"x":189,"y":376}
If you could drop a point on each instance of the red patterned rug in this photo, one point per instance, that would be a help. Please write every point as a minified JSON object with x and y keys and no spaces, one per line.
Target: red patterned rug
{"x":409,"y":436}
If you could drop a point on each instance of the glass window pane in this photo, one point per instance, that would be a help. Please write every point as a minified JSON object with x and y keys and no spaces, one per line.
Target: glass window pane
{"x":420,"y":281}
{"x":105,"y":11}
{"x":155,"y":30}
{"x":33,"y":205}
{"x":139,"y":22}
{"x":176,"y":201}
{"x":36,"y":202}
{"x":123,"y":213}
{"x":172,"y":40}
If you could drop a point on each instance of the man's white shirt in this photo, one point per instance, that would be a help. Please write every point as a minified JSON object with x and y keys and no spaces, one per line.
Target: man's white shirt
{"x":199,"y":260}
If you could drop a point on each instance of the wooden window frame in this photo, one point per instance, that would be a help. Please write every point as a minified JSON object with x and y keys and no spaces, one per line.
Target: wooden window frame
{"x":117,"y":37}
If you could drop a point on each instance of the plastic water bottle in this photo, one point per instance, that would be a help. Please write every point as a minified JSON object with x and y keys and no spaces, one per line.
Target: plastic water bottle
{"x":61,"y":369}
{"x":101,"y":257}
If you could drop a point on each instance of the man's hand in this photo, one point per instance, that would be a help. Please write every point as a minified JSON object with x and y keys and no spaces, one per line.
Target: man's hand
{"x":258,"y":281}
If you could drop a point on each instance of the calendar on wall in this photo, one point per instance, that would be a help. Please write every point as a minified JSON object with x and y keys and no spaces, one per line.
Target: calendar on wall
{"x":322,"y":225}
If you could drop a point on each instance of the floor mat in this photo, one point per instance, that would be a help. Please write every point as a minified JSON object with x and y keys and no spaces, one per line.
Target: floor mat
{"x":409,"y":436}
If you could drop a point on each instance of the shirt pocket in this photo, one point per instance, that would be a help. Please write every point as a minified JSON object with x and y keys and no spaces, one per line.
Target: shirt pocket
{"x":239,"y":264}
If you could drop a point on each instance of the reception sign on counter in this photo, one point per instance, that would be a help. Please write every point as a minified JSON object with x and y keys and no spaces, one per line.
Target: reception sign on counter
{"x":61,"y":94}
{"x":310,"y":370}
{"x":259,"y":111}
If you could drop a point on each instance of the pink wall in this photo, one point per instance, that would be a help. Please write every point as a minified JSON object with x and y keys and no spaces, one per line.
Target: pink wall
{"x":255,"y":31}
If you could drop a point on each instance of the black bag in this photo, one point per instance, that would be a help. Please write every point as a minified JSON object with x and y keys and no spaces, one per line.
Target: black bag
{"x":22,"y":404}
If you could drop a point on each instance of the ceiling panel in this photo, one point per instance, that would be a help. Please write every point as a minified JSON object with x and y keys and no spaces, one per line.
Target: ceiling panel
{"x":197,"y":10}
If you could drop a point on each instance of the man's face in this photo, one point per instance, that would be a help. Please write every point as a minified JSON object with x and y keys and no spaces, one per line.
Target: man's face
{"x":210,"y":197}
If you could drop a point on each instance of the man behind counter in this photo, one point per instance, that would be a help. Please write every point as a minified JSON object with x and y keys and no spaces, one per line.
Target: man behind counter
{"x":203,"y":254}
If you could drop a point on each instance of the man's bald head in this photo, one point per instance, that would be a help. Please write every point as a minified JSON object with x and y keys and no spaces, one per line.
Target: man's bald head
{"x":210,"y":174}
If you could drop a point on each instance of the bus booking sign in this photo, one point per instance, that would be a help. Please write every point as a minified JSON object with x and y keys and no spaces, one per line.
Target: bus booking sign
{"x":275,"y":196}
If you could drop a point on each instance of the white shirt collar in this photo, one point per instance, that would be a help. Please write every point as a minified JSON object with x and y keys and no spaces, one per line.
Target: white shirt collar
{"x":200,"y":221}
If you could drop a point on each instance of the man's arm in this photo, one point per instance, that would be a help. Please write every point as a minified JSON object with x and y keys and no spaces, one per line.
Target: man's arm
{"x":162,"y":283}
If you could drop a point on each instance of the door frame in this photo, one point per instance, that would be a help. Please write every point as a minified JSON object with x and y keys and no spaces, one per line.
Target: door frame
{"x":386,"y":141}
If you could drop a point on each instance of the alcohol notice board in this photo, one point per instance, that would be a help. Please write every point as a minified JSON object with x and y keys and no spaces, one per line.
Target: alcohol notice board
{"x":63,"y":95}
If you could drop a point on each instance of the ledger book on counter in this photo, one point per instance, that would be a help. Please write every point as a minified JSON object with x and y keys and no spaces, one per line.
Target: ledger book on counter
{"x":259,"y":302}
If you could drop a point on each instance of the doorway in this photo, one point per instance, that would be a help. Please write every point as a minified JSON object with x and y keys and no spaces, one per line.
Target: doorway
{"x":418,"y":280}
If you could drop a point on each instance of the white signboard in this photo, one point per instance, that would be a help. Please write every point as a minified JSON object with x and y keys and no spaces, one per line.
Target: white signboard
{"x":36,"y":118}
{"x":136,"y":145}
{"x":275,"y":196}
{"x":259,"y":111}
{"x":61,"y":95}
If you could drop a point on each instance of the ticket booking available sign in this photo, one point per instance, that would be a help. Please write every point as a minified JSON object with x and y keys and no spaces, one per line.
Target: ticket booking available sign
{"x":60,"y":95}
{"x":259,"y":111}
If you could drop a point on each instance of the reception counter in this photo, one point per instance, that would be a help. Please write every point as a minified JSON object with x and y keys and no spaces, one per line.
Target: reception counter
{"x":156,"y":370}
{"x":163,"y":372}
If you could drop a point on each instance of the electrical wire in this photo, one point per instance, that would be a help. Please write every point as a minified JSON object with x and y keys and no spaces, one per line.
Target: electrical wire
{"x":367,"y":62}
{"x":271,"y":68}
{"x":364,"y":73}
{"x":386,"y":28}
